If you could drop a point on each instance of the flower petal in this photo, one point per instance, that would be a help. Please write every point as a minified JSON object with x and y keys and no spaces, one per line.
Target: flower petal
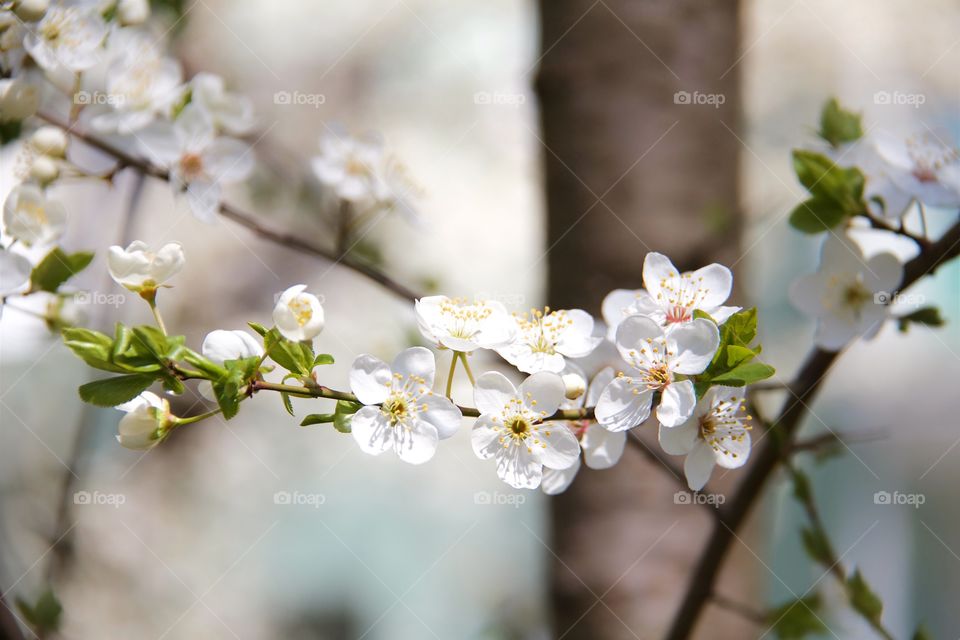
{"x":485,"y":438}
{"x":519,"y":468}
{"x":492,"y":392}
{"x":676,"y":403}
{"x":714,"y":282}
{"x":620,"y":409}
{"x":679,"y":441}
{"x":416,"y":362}
{"x":657,"y":271}
{"x":634,"y":332}
{"x":695,"y":345}
{"x":417,"y":444}
{"x":557,"y":447}
{"x":542,"y":392}
{"x":556,"y":481}
{"x":442,"y":414}
{"x":601,"y":448}
{"x":699,"y":465}
{"x":372,"y":430}
{"x":370,"y":379}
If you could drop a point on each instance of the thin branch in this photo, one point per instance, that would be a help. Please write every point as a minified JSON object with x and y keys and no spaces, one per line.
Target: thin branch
{"x":769,"y":453}
{"x":818,"y":444}
{"x":745,"y":611}
{"x":248,"y":220}
{"x":659,"y":458}
{"x":922,"y":241}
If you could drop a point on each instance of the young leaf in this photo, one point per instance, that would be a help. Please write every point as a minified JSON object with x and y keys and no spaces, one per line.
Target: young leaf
{"x":44,"y":615}
{"x":817,"y":546}
{"x":839,"y":126}
{"x":110,"y":392}
{"x":296,"y":357}
{"x":929,"y":316}
{"x":317,"y":418}
{"x":862,"y":598}
{"x":797,"y":619}
{"x":322,"y":359}
{"x":817,"y":215}
{"x":92,"y":347}
{"x":56,"y":268}
{"x":343,"y":415}
{"x":259,"y":328}
{"x":744,"y":374}
{"x":287,"y":404}
{"x":228,"y":388}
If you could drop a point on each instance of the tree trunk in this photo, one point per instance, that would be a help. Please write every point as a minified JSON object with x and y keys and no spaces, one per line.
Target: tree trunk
{"x":633,"y":166}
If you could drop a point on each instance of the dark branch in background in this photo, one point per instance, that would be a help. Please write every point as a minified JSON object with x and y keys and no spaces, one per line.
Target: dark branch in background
{"x":248,"y":220}
{"x":769,"y":455}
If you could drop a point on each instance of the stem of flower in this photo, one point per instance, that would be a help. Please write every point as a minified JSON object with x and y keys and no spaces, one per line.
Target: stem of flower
{"x":453,"y":368}
{"x":203,"y":416}
{"x":466,"y":366}
{"x":156,"y":315}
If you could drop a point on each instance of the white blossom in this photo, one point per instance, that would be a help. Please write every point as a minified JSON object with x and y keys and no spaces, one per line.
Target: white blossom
{"x":464,"y":326}
{"x":655,"y":358}
{"x":671,"y":297}
{"x":298,"y":315}
{"x":147,"y":422}
{"x":511,"y":430}
{"x":14,"y":272}
{"x":68,"y":37}
{"x":601,"y":448}
{"x":222,"y":345}
{"x":923,"y":167}
{"x":849,"y":294}
{"x":199,"y":161}
{"x":718,"y":432}
{"x":544,"y":338}
{"x":139,"y":269}
{"x":231,"y":112}
{"x":31,"y":217}
{"x":401,"y":411}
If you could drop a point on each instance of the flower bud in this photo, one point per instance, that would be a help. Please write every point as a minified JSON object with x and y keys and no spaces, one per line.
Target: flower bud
{"x":30,"y":10}
{"x":133,"y":12}
{"x":50,"y":141}
{"x":574,"y":386}
{"x":44,"y":170}
{"x":18,"y":100}
{"x":298,"y":315}
{"x":147,"y":423}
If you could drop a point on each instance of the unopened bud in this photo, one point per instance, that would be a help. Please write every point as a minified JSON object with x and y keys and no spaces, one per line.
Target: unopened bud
{"x":44,"y":170}
{"x":30,"y":10}
{"x":574,"y":386}
{"x":18,"y":100}
{"x":133,"y":12}
{"x":50,"y":141}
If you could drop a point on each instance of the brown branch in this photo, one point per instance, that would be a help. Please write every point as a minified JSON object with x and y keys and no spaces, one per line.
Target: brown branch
{"x":245,"y":219}
{"x":769,"y":455}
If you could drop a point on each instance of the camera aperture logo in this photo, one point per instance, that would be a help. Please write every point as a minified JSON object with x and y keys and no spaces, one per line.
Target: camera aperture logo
{"x":699,"y":98}
{"x":96,"y":498}
{"x":299,"y":499}
{"x":686,"y":497}
{"x":897,"y":498}
{"x":299,"y":98}
{"x":498,"y":498}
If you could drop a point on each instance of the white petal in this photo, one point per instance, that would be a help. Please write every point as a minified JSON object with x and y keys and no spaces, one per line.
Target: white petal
{"x":442,"y":414}
{"x":492,"y":392}
{"x":679,"y":441}
{"x":619,"y":409}
{"x":228,"y":160}
{"x":733,"y":452}
{"x":604,"y":377}
{"x":722,"y":314}
{"x":204,"y":200}
{"x":519,"y":468}
{"x":577,"y":340}
{"x":160,"y":144}
{"x":715,"y":281}
{"x":370,"y":379}
{"x":556,"y":481}
{"x":698,"y":466}
{"x":883,"y":272}
{"x":807,"y":293}
{"x":372,"y":430}
{"x":601,"y":448}
{"x":558,"y":447}
{"x":542,"y":392}
{"x":676,"y":403}
{"x":834,"y":332}
{"x":696,"y":344}
{"x":615,"y":309}
{"x":417,"y":444}
{"x":484,"y":438}
{"x":657,"y":268}
{"x":633,"y":333}
{"x":416,"y":362}
{"x":194,"y":129}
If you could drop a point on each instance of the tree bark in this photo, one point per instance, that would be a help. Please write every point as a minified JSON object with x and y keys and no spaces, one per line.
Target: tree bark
{"x":633,"y":166}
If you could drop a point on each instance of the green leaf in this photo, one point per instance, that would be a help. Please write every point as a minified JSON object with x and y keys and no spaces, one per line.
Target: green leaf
{"x":259,"y":328}
{"x":110,"y":392}
{"x":801,"y":486}
{"x":817,"y":215}
{"x":797,"y":619}
{"x":929,"y":316}
{"x":56,"y":268}
{"x":839,"y":126}
{"x":322,"y":359}
{"x":343,"y":414}
{"x":229,"y":387}
{"x":817,"y":546}
{"x":92,"y":347}
{"x":922,"y":634}
{"x":744,"y":374}
{"x":44,"y":615}
{"x":317,"y":418}
{"x":287,"y":404}
{"x":296,"y":357}
{"x":863,"y":599}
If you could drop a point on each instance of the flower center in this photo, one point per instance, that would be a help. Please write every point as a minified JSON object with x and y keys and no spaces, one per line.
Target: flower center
{"x":301,"y":309}
{"x":657,"y":376}
{"x":191,"y":166}
{"x":396,"y":408}
{"x":679,"y":313}
{"x":519,"y":427}
{"x":681,"y":294}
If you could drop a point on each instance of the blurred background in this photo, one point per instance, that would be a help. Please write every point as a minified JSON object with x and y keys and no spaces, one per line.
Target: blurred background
{"x":552,"y":152}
